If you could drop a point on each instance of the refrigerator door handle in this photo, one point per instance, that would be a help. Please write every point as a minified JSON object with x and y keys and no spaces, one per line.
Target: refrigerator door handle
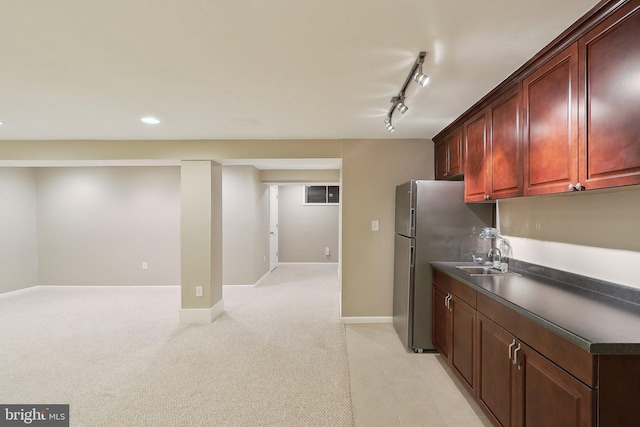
{"x":412,"y":255}
{"x":412,"y":222}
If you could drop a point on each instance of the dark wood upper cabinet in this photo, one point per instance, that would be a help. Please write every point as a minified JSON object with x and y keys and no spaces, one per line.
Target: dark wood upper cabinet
{"x":475,"y":179}
{"x":449,"y":156}
{"x":610,"y":93}
{"x":566,"y":120}
{"x":505,"y":161}
{"x":551,"y":125}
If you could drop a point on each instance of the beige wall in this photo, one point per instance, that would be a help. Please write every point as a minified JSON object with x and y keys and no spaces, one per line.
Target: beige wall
{"x":97,"y":225}
{"x":308,"y":176}
{"x":593,"y":233}
{"x":18,"y":237}
{"x":588,"y":233}
{"x":305,"y":230}
{"x":371,"y":171}
{"x":245,"y":214}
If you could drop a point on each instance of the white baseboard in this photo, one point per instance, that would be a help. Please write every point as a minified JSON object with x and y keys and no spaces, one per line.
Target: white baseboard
{"x":308,"y":263}
{"x":202,"y":315}
{"x":366,"y":319}
{"x":260,"y":280}
{"x":18,"y":291}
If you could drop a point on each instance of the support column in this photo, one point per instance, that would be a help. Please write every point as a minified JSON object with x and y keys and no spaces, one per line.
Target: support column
{"x":201,"y":241}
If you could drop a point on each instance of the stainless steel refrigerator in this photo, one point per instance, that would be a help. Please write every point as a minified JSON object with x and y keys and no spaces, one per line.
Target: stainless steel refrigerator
{"x":432,"y":224}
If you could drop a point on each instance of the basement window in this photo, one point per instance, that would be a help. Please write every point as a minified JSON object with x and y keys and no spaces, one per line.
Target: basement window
{"x":321,"y":194}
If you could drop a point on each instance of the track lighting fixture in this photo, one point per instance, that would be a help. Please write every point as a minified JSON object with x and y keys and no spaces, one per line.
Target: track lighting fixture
{"x":402,"y":107}
{"x":398,"y":102}
{"x":421,"y":78}
{"x":390,"y":127}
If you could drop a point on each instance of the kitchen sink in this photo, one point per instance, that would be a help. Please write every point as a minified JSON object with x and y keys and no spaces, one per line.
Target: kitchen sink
{"x":479,"y":270}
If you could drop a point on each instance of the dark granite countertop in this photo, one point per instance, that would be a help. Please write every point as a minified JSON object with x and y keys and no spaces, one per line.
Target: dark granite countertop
{"x":599,"y":317}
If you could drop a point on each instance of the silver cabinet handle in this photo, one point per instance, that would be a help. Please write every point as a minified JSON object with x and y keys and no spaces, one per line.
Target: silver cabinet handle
{"x":580,"y":187}
{"x":515,"y":355}
{"x":511,"y":349}
{"x":571,"y":187}
{"x":447,"y":301}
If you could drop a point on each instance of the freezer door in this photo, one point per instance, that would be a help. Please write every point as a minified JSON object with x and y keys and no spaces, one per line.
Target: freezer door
{"x":403,"y":281}
{"x":405,"y":209}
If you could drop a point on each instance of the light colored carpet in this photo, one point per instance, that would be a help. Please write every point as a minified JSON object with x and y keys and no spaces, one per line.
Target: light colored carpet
{"x":118,"y":356}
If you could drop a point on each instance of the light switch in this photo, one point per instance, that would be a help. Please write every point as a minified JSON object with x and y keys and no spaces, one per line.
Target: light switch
{"x":145,"y":265}
{"x":375,"y":225}
{"x":198,"y":291}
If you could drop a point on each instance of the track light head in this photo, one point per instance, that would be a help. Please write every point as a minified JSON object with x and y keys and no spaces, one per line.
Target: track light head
{"x":388,"y":125}
{"x":421,"y":78}
{"x":402,"y":107}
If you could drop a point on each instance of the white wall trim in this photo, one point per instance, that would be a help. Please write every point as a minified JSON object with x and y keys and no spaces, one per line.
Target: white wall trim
{"x":18,"y":291}
{"x":37,"y":287}
{"x":308,"y":263}
{"x":201,"y":315}
{"x":366,"y":319}
{"x":108,"y":286}
{"x":238,"y":286}
{"x":264,"y":276}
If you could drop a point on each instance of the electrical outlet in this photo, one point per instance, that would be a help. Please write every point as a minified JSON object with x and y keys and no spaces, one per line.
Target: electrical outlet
{"x":145,"y":265}
{"x":375,"y":225}
{"x":198,"y":291}
{"x":326,"y":251}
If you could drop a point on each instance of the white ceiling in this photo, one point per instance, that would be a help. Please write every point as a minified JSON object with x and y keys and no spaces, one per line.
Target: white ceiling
{"x":257,"y":69}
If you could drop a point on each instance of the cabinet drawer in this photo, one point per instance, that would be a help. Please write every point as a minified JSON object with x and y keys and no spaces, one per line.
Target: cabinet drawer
{"x":578,"y":362}
{"x":463,"y":292}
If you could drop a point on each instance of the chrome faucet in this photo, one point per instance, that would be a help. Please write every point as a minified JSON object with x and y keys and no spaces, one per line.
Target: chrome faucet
{"x":495,"y":256}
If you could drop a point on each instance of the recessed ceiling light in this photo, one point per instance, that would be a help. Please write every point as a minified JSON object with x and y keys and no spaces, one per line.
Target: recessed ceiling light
{"x":1,"y":123}
{"x":150,"y":120}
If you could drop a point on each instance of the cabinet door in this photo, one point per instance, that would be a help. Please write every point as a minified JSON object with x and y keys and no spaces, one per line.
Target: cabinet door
{"x":610,"y":92}
{"x":441,"y":159}
{"x":449,"y":155}
{"x":454,"y":150}
{"x":551,"y":125}
{"x":475,"y":180}
{"x":496,"y":373}
{"x":549,"y":396}
{"x":505,"y":162}
{"x":440,"y":321}
{"x":463,"y":327}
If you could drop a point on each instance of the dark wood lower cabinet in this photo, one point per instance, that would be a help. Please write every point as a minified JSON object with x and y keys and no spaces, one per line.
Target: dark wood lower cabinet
{"x":463,"y":325}
{"x":517,"y":386}
{"x":548,"y":396}
{"x":496,"y":379}
{"x":454,"y":331}
{"x":440,"y":313}
{"x":525,"y":383}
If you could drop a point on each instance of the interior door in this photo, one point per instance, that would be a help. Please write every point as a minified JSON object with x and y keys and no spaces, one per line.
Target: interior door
{"x":273,"y":226}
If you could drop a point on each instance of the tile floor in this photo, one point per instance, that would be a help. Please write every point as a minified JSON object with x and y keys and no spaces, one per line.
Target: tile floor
{"x":392,"y":387}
